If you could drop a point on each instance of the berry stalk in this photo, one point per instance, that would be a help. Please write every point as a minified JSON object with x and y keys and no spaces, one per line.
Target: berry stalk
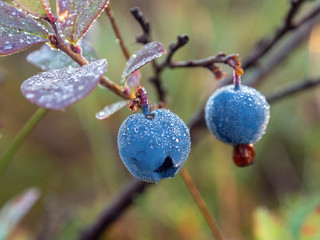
{"x":213,"y":225}
{"x":142,"y":93}
{"x":236,"y":80}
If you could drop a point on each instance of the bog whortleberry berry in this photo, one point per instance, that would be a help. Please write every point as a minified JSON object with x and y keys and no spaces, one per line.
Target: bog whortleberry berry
{"x":237,"y":115}
{"x":153,"y":145}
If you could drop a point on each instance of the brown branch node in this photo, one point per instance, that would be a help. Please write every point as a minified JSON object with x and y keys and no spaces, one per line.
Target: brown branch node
{"x":145,"y":37}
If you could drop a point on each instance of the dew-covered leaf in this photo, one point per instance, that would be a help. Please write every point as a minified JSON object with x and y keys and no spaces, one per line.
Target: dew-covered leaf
{"x":76,"y":16}
{"x":36,"y":8}
{"x":18,"y":31}
{"x":47,"y":58}
{"x":146,"y":54}
{"x":60,"y":88}
{"x":111,"y":109}
{"x":14,"y":210}
{"x":134,"y":79}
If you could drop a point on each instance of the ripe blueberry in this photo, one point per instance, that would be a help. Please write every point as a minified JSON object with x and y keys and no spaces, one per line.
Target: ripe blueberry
{"x":153,"y":145}
{"x":237,"y":115}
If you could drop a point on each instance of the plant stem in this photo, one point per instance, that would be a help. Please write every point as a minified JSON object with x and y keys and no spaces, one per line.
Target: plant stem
{"x":236,"y":80}
{"x":104,"y":81}
{"x":216,"y":232}
{"x":19,"y":139}
{"x":108,"y":216}
{"x":117,"y":32}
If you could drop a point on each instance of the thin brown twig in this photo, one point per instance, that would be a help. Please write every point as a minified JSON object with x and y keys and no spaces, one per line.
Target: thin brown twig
{"x":123,"y":200}
{"x":145,"y":37}
{"x":312,"y":14}
{"x":206,"y":62}
{"x":181,"y":41}
{"x":158,"y":68}
{"x":117,"y":32}
{"x":293,"y":89}
{"x":215,"y":229}
{"x":265,"y":45}
{"x":274,"y":61}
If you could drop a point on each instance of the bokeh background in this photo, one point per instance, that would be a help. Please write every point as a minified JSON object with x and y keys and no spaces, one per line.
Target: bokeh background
{"x":73,"y":159}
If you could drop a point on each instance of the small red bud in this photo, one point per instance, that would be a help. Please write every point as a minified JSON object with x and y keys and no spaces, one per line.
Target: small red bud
{"x":76,"y":49}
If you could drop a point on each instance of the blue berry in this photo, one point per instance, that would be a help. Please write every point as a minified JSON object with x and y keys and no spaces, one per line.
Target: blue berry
{"x":237,"y":114}
{"x":154,"y":146}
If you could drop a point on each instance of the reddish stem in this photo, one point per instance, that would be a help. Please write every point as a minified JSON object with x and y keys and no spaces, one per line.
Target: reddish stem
{"x":236,"y":80}
{"x":144,"y":100}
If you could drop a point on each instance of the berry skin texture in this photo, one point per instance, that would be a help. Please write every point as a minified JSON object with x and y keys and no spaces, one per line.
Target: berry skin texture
{"x":237,"y":115}
{"x":154,"y":148}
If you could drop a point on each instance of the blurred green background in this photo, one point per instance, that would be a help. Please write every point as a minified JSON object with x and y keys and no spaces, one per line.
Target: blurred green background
{"x":72,"y":157}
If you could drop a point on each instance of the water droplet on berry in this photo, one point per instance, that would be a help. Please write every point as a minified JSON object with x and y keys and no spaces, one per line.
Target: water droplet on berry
{"x":30,"y":95}
{"x":7,"y":46}
{"x":149,"y":116}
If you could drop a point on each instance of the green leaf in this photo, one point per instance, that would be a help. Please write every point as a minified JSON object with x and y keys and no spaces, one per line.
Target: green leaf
{"x":268,"y":226}
{"x":18,"y":31}
{"x":13,"y":212}
{"x":299,"y":211}
{"x":47,"y":58}
{"x":310,"y":230}
{"x":37,"y":8}
{"x":76,"y":16}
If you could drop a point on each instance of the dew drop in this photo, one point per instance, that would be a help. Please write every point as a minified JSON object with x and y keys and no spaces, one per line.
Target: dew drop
{"x":30,"y":95}
{"x":7,"y":46}
{"x":149,"y":116}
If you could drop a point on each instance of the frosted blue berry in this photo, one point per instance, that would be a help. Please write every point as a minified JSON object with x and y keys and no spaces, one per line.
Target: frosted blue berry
{"x":154,"y":145}
{"x":237,"y":114}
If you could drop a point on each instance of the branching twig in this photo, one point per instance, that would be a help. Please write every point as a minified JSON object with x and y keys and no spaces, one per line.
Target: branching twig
{"x":265,"y":45}
{"x":145,"y":37}
{"x":181,"y":41}
{"x":206,"y":62}
{"x":262,"y":70}
{"x":60,"y":44}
